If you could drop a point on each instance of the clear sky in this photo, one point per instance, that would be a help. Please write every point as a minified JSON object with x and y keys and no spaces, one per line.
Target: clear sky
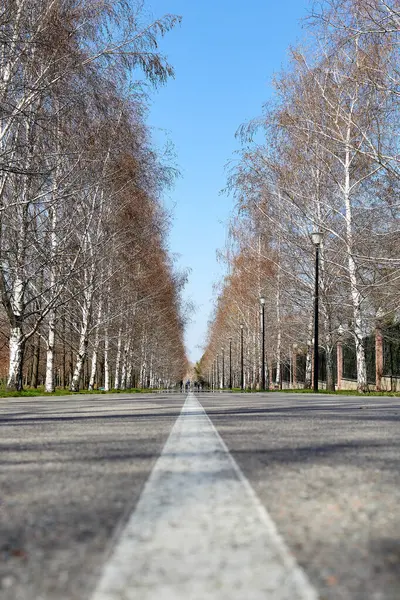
{"x":224,"y":54}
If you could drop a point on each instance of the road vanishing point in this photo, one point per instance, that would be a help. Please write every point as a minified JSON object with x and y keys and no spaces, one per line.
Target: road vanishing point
{"x":223,"y":496}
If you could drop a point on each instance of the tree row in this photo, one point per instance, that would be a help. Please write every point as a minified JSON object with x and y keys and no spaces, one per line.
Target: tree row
{"x":323,"y":157}
{"x":90,"y":295}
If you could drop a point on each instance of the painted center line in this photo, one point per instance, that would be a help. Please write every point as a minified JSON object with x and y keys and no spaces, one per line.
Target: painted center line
{"x":199,"y":532}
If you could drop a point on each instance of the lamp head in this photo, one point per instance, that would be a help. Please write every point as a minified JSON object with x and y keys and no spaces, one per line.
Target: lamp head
{"x":316,"y":238}
{"x":340,"y":330}
{"x":262,"y":300}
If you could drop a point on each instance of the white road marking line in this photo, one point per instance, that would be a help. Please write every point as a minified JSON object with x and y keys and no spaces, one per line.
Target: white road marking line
{"x":199,"y":532}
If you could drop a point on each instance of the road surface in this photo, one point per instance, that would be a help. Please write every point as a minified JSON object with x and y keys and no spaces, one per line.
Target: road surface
{"x":255,"y":496}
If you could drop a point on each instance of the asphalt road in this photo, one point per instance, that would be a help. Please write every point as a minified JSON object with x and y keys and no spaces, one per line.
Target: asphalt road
{"x":326,"y":468}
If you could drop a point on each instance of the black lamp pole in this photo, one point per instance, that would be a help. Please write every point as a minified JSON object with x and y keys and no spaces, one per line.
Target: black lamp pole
{"x":317,"y":239}
{"x":230,"y":363}
{"x":316,"y":311}
{"x":262,"y":302}
{"x":223,"y":368}
{"x":241,"y":359}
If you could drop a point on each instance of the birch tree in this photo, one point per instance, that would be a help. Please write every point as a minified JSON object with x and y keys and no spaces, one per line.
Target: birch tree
{"x":56,"y":61}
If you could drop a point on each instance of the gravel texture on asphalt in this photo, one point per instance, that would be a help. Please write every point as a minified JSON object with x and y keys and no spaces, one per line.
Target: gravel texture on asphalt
{"x":70,"y":470}
{"x":327,"y":468}
{"x":198,"y":531}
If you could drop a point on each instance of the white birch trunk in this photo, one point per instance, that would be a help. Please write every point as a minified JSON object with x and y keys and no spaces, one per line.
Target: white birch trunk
{"x":95,"y":353}
{"x":124,"y":371}
{"x":143,"y":368}
{"x":14,"y":380}
{"x":129,"y":374}
{"x":89,"y":246}
{"x":107,"y":382}
{"x":151,"y":375}
{"x":255,"y":361}
{"x":355,"y":292}
{"x":118,"y":361}
{"x":80,"y":361}
{"x":279,"y":326}
{"x":83,"y":340}
{"x":15,"y":305}
{"x":143,"y":375}
{"x":49,"y":384}
{"x":106,"y":361}
{"x":278,"y":357}
{"x":249,"y":363}
{"x":93,"y":368}
{"x":308,"y":379}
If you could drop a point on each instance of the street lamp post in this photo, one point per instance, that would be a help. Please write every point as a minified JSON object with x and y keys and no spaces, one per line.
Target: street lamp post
{"x":217,"y":372}
{"x":262,"y":302}
{"x":230,"y":363}
{"x":339,"y":355}
{"x":241,"y":359}
{"x":223,"y":368}
{"x":316,"y":240}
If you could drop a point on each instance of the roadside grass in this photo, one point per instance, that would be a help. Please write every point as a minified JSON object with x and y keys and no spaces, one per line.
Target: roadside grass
{"x":40,"y":391}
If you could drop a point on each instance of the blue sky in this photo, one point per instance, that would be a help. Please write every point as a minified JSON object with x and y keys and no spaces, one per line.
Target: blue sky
{"x":224,"y":54}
